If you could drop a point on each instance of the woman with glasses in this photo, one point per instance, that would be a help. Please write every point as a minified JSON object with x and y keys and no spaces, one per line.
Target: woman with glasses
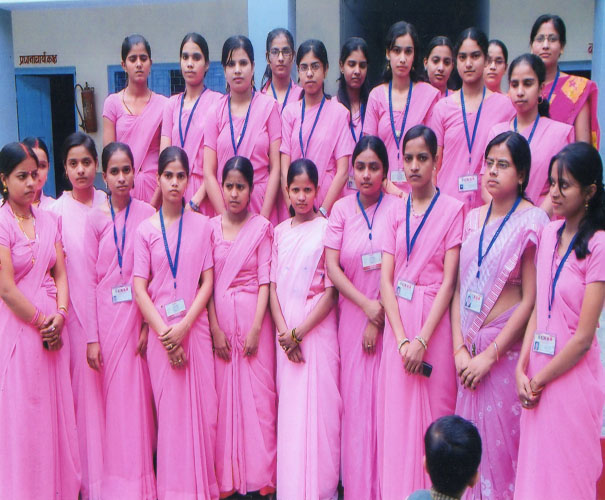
{"x":497,"y":62}
{"x":243,"y":123}
{"x":572,"y":99}
{"x":317,"y":128}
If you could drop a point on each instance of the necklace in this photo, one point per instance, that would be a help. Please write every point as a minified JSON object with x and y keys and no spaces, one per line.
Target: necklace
{"x":126,"y":105}
{"x":30,"y":241}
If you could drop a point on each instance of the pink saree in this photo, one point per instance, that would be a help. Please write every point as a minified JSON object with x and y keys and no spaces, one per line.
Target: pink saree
{"x":142,"y":134}
{"x":407,"y":404}
{"x":309,"y":409}
{"x":568,"y":98}
{"x":559,"y":452}
{"x":494,"y":406}
{"x":185,"y":398}
{"x":129,"y":419}
{"x":247,"y":401}
{"x":86,"y":383}
{"x":39,"y":453}
{"x":348,"y":232}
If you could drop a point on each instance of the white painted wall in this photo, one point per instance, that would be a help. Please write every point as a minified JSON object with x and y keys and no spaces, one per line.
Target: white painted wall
{"x":511,"y":22}
{"x":90,"y":38}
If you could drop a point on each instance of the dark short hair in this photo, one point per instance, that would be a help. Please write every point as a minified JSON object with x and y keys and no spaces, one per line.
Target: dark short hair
{"x":453,"y":453}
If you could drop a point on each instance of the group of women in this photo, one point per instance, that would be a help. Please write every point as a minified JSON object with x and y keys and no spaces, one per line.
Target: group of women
{"x":319,"y":280}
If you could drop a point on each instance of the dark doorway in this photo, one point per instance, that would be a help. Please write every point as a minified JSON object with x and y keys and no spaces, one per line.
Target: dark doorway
{"x":64,"y":122}
{"x":371,"y":19}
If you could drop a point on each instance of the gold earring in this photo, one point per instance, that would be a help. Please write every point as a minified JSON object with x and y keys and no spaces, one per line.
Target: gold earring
{"x":586,"y":205}
{"x":4,"y":188}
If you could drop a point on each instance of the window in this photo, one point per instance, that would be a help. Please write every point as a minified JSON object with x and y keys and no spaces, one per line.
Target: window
{"x":166,"y":78}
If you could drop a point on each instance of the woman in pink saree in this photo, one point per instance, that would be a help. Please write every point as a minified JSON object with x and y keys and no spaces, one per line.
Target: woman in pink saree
{"x":80,"y":161}
{"x":39,"y":455}
{"x":573,"y":99}
{"x":134,"y":116}
{"x":243,"y":123}
{"x":302,"y":304}
{"x":418,"y":278}
{"x":559,"y":376}
{"x":491,"y":306}
{"x":355,"y":235}
{"x":402,"y":101}
{"x":243,"y":340}
{"x":172,"y":283}
{"x":184,"y":123}
{"x":546,"y":137}
{"x":117,"y":340}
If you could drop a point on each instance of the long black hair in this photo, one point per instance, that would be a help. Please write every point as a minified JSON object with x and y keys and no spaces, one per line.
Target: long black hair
{"x":398,"y":29}
{"x":583,"y":162}
{"x":538,"y":67}
{"x":352,"y":44}
{"x":272,"y":35}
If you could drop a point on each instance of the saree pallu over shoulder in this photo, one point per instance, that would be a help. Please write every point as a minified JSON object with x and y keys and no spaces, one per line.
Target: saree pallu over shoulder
{"x":568,"y":98}
{"x":39,"y":453}
{"x":247,"y":401}
{"x":562,"y":433}
{"x":309,"y":411}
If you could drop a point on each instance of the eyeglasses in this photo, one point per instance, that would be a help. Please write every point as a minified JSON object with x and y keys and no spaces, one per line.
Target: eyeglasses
{"x":500,"y":164}
{"x":286,"y":52}
{"x":550,"y":38}
{"x":314,"y":67}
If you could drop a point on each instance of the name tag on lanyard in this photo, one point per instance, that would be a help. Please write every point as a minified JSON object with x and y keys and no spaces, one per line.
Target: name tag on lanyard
{"x":174,"y":308}
{"x":397,"y":176}
{"x":473,"y":301}
{"x":544,"y":343}
{"x":405,"y":289}
{"x":371,"y":261}
{"x":468,"y":183}
{"x":121,"y":293}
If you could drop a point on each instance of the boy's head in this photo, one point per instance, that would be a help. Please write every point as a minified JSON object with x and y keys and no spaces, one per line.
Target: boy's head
{"x":453,"y":452}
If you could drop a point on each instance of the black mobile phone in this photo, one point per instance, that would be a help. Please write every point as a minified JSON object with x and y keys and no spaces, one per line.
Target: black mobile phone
{"x":427,"y":369}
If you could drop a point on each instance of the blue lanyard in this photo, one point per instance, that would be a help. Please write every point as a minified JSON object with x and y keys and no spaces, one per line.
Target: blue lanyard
{"x":533,"y":129}
{"x":241,"y":137}
{"x":470,"y":141}
{"x":365,"y":216}
{"x":405,"y":114}
{"x":362,"y":114}
{"x":446,"y":91}
{"x":183,"y":138}
{"x":481,"y":255}
{"x":115,"y":232}
{"x":173,"y":265}
{"x":302,"y":120}
{"x":410,"y":245}
{"x":285,"y":98}
{"x":554,"y":84}
{"x":553,"y":285}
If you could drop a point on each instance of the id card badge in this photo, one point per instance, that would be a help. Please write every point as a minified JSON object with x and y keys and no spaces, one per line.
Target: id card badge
{"x":122,"y":293}
{"x":473,"y":301}
{"x":351,"y":183}
{"x":397,"y":176}
{"x":175,"y":308}
{"x":371,"y":261}
{"x":544,"y":343}
{"x":468,"y":183}
{"x":405,"y":289}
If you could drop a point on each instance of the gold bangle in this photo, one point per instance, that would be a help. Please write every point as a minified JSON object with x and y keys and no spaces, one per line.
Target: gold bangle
{"x":64,"y":308}
{"x":422,"y":341}
{"x":294,"y":337}
{"x":402,"y":343}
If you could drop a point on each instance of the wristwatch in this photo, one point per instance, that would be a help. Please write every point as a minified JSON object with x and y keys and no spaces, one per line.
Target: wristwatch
{"x":323,"y":212}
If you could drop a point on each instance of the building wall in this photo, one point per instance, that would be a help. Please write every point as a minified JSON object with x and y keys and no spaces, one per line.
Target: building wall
{"x":90,"y":38}
{"x":511,"y":22}
{"x":8,"y":110}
